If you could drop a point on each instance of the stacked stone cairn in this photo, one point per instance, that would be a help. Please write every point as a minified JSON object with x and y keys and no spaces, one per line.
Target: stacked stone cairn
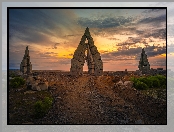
{"x":93,"y":58}
{"x":26,"y":66}
{"x":144,"y":65}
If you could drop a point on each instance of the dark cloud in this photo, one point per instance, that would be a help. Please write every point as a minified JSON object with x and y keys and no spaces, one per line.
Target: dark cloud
{"x":122,"y":54}
{"x":38,"y":25}
{"x":145,"y":28}
{"x":29,"y":25}
{"x":133,"y":53}
{"x":129,"y":26}
{"x":130,"y":41}
{"x":104,"y":23}
{"x":152,"y":26}
{"x":144,"y":37}
{"x":55,"y":45}
{"x":129,"y":52}
{"x":153,"y":20}
{"x":139,"y":32}
{"x":156,"y":33}
{"x":152,"y":51}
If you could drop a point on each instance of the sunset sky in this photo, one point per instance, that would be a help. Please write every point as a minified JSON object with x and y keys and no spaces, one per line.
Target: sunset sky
{"x":53,"y":35}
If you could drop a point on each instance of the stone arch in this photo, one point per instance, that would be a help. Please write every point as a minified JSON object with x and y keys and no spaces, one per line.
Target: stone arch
{"x":94,"y":62}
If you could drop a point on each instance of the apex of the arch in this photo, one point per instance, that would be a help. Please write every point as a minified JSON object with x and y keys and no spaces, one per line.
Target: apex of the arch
{"x":87,"y":33}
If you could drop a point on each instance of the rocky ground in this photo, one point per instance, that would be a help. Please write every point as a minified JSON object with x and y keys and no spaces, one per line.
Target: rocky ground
{"x":87,"y":100}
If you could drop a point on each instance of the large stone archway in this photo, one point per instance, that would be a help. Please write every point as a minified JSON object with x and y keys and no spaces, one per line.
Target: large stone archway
{"x":93,"y":58}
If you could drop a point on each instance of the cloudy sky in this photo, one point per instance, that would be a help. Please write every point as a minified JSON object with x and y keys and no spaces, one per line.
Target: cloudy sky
{"x":119,"y":34}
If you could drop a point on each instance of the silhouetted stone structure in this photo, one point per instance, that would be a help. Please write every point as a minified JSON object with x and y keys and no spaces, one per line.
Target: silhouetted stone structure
{"x":93,"y":58}
{"x":25,"y":66}
{"x":144,"y":65}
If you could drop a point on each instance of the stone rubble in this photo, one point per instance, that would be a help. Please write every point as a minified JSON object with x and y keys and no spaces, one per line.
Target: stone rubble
{"x":36,"y":84}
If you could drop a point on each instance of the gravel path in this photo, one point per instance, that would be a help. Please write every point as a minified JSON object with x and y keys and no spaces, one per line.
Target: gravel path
{"x":97,"y":100}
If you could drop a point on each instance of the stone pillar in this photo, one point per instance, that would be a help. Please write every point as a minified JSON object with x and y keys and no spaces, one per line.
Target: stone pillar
{"x":26,"y":66}
{"x":144,"y":65}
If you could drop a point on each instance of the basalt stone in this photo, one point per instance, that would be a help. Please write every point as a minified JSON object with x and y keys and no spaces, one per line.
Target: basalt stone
{"x":35,"y":87}
{"x":93,"y":58}
{"x":43,"y":86}
{"x":26,"y":66}
{"x":144,"y":65}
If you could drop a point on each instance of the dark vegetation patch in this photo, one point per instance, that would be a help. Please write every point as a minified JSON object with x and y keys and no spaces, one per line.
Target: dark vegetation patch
{"x":25,"y":106}
{"x":42,"y":107}
{"x":17,"y":82}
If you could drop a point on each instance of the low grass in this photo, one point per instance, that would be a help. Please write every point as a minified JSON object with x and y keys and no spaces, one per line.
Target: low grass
{"x":17,"y":82}
{"x":41,"y":107}
{"x":154,"y":86}
{"x":158,"y":81}
{"x":22,"y":106}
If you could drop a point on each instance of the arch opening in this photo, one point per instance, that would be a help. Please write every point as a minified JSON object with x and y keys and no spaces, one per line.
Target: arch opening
{"x":86,"y":41}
